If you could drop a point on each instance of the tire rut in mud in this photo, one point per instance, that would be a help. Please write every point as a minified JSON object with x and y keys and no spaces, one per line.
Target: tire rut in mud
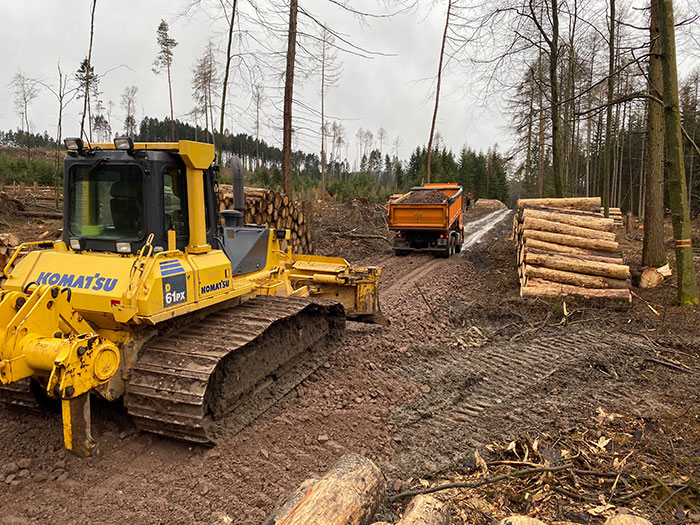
{"x":479,"y":394}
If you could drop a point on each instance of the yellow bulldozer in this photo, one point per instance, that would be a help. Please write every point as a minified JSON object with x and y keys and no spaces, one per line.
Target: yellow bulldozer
{"x":199,"y":321}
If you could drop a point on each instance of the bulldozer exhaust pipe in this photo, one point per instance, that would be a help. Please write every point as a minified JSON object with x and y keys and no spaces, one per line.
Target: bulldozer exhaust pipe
{"x":238,"y":190}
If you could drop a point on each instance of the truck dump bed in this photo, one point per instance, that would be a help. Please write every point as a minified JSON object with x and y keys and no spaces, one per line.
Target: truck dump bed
{"x":432,"y":207}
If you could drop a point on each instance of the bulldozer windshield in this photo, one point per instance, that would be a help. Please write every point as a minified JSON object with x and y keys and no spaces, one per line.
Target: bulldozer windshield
{"x":106,"y":201}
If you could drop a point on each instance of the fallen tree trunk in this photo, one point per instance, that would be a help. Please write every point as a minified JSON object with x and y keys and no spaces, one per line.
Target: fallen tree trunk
{"x":572,"y":278}
{"x":41,"y":214}
{"x":348,"y":494}
{"x":540,"y":288}
{"x":573,"y":202}
{"x":578,"y":265}
{"x":592,"y":222}
{"x":571,"y":240}
{"x":425,"y":510}
{"x":534,"y":244}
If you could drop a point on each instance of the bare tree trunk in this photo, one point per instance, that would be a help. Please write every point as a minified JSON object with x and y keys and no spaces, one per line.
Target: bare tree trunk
{"x":323,"y":118}
{"x":528,"y":157}
{"x":641,"y":195}
{"x":540,"y":161}
{"x":554,"y":88}
{"x":288,"y":98}
{"x":59,"y":132}
{"x":608,"y":123}
{"x":26,"y":122}
{"x":220,"y":144}
{"x":692,"y":153}
{"x":172,"y":114}
{"x":437,"y":89}
{"x":680,"y":214}
{"x":257,"y":127}
{"x":87,"y":74}
{"x":653,"y":253}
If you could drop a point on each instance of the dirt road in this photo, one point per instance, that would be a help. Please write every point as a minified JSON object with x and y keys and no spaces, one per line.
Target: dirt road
{"x":460,"y":366}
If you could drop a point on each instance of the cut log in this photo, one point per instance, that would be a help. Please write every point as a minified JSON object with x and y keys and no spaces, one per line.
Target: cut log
{"x":540,"y":288}
{"x":348,"y":494}
{"x":575,"y":279}
{"x":578,"y":265}
{"x":590,"y":212}
{"x":582,"y":221}
{"x":425,"y":510}
{"x":530,"y":223}
{"x":291,"y":501}
{"x":534,"y":244}
{"x":593,"y":256}
{"x":572,"y":202}
{"x":571,"y":240}
{"x":650,"y":278}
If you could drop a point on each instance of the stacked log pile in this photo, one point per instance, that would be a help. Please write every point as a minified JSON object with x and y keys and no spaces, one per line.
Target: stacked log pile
{"x":8,"y":245}
{"x":566,"y":248}
{"x":275,"y":210}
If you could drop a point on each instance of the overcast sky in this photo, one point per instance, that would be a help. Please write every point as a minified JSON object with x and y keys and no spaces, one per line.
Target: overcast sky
{"x":389,"y":91}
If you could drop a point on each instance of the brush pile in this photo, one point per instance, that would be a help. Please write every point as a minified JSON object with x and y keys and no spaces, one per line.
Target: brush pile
{"x":565,"y":247}
{"x":275,"y":210}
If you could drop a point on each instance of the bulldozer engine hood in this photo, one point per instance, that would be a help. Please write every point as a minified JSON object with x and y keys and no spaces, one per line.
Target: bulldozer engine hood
{"x":94,"y":279}
{"x":104,"y":285}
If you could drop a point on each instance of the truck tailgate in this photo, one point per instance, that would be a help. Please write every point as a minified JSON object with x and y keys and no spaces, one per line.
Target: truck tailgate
{"x":418,"y":216}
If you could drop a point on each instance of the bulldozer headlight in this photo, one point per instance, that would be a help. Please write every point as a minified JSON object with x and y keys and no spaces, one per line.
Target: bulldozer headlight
{"x":124,"y":143}
{"x":123,"y":247}
{"x":74,"y":144}
{"x":75,"y":243}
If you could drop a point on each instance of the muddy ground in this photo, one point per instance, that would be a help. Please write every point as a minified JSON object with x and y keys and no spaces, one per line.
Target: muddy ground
{"x":465,"y":365}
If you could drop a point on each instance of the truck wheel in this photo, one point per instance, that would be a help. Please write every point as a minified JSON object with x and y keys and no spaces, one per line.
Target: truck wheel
{"x":458,"y":245}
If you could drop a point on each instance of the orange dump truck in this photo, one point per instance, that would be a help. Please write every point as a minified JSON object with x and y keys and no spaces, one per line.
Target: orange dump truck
{"x":429,"y":218}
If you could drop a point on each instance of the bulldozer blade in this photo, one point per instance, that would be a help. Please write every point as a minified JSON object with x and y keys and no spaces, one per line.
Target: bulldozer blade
{"x":377,"y":317}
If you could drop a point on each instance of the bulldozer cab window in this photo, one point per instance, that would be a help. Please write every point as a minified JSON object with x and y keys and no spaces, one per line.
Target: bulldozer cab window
{"x":175,"y":201}
{"x":107,"y":201}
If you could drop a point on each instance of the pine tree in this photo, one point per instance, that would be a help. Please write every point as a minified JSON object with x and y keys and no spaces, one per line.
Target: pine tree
{"x":164,"y":60}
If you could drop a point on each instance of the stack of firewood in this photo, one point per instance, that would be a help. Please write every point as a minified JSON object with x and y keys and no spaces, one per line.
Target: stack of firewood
{"x":8,"y":245}
{"x":275,"y":210}
{"x":566,"y":248}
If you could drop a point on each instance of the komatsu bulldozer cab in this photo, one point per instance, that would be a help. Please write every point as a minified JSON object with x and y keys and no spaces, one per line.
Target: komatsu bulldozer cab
{"x":116,"y":198}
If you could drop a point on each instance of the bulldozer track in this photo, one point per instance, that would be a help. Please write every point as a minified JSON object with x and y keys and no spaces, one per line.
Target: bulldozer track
{"x":19,"y":394}
{"x":216,"y":376}
{"x":469,"y":385}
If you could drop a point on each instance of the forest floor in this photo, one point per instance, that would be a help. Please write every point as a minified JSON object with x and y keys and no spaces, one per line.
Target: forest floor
{"x":466,"y":365}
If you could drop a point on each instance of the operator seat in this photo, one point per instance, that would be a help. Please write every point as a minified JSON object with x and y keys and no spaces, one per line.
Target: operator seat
{"x":126,"y":205}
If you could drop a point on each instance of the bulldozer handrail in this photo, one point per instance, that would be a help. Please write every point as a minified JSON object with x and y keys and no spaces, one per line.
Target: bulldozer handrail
{"x":41,"y":244}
